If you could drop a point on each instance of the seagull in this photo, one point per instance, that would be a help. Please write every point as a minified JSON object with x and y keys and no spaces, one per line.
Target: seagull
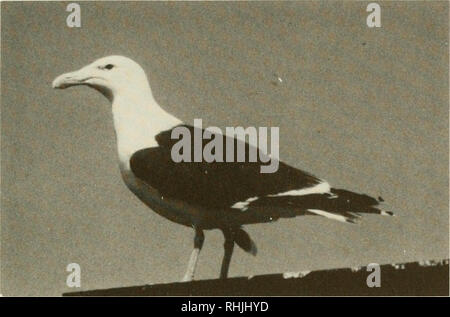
{"x":204,"y":195}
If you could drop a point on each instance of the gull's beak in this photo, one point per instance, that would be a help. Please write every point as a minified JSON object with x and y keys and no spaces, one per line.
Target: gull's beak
{"x":79,"y":77}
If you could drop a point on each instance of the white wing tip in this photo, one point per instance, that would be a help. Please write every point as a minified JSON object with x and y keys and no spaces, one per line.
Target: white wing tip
{"x":386,"y":213}
{"x":331,"y":215}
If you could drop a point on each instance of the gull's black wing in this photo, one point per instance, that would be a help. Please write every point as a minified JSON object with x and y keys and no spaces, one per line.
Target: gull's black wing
{"x":216,"y":184}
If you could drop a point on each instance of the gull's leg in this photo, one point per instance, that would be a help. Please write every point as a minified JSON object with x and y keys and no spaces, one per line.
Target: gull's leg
{"x":198,"y":243}
{"x":228,"y":246}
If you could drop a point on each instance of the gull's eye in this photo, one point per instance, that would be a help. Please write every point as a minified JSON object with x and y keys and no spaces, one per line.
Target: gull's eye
{"x":109,"y":66}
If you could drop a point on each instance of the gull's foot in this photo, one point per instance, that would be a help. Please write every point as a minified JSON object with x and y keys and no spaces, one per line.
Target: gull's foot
{"x":187,"y":278}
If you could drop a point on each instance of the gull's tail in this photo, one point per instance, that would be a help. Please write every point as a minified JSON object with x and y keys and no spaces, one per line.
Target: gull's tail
{"x":336,"y":204}
{"x":343,"y":205}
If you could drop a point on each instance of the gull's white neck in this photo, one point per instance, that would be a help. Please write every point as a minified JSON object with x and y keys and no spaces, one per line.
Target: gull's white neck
{"x":137,"y":120}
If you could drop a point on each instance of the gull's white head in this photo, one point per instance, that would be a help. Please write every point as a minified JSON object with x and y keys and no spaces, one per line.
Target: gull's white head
{"x":111,"y":75}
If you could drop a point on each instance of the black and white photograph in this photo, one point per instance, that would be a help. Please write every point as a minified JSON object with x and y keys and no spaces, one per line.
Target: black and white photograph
{"x":224,"y":148}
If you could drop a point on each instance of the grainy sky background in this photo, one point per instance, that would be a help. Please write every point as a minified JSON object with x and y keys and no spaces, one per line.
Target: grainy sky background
{"x":366,"y":109}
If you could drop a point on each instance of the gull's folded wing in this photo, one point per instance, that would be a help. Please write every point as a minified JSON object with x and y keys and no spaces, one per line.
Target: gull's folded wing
{"x":216,"y":184}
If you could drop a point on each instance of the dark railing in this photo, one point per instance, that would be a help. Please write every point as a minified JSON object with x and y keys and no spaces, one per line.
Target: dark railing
{"x":417,"y":278}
